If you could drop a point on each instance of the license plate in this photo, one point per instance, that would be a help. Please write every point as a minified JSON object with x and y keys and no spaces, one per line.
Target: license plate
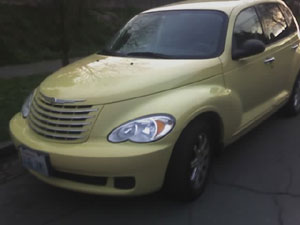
{"x":35,"y":160}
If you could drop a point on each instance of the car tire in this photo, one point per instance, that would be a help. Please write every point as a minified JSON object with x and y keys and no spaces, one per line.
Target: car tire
{"x":292,"y":108}
{"x":190,"y":163}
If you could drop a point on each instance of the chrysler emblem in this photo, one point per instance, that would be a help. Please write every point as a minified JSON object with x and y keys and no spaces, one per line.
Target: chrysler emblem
{"x":53,"y":100}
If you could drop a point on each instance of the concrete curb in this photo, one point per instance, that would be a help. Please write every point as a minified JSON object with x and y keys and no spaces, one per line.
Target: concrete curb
{"x":7,"y":148}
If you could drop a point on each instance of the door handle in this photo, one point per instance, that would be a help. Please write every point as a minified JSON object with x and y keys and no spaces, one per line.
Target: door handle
{"x":294,"y":47}
{"x":269,"y":60}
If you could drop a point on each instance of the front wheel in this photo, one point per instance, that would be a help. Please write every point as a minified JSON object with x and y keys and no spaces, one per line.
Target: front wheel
{"x":292,"y":108}
{"x":190,"y":162}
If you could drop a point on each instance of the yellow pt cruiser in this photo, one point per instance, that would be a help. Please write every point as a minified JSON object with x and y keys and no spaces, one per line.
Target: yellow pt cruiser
{"x":175,"y":84}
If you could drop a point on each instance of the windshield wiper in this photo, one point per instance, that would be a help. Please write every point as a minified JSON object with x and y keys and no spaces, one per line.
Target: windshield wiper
{"x":149,"y":54}
{"x":110,"y":52}
{"x":138,"y":54}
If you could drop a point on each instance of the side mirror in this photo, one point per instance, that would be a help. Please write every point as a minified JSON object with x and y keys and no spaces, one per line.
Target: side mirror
{"x":249,"y":48}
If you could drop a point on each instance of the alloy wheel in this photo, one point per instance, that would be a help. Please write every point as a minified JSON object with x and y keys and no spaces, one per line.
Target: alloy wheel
{"x":200,"y":161}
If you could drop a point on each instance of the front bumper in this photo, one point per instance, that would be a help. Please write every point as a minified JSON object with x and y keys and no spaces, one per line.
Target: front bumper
{"x":146,"y":163}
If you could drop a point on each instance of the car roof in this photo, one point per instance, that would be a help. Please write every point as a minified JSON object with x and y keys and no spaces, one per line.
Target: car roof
{"x":223,"y":5}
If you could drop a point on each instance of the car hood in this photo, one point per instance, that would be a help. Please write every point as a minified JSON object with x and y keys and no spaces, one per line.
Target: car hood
{"x":102,"y":79}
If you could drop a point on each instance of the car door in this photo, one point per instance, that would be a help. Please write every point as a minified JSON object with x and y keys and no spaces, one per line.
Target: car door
{"x":249,"y":79}
{"x":294,"y":43}
{"x":278,"y":41}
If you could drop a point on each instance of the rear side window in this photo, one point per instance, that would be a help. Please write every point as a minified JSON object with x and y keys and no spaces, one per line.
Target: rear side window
{"x":247,"y":26}
{"x":292,"y":28}
{"x":273,"y":21}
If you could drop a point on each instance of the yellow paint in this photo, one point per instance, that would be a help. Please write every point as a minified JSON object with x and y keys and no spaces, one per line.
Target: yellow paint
{"x":241,"y":92}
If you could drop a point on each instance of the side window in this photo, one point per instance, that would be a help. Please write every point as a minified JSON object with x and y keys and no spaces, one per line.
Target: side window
{"x":289,"y":18}
{"x":247,"y":26}
{"x":273,"y":21}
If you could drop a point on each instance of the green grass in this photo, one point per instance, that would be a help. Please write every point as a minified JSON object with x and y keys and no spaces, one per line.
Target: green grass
{"x":32,"y":34}
{"x":12,"y":94}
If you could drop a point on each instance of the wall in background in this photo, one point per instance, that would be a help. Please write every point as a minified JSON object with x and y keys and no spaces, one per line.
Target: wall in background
{"x":135,"y":3}
{"x":143,"y":4}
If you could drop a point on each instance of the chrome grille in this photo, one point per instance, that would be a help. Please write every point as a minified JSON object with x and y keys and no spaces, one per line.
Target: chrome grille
{"x":63,"y":122}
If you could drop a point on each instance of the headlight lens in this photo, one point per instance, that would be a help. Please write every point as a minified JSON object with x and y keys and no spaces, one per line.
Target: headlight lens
{"x":142,"y":130}
{"x":26,"y":106}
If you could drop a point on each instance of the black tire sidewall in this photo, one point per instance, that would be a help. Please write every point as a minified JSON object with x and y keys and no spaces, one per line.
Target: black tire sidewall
{"x":177,"y":182}
{"x":289,"y":109}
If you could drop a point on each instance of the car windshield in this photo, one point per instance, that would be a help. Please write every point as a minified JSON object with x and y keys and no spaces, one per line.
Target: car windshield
{"x":180,"y":34}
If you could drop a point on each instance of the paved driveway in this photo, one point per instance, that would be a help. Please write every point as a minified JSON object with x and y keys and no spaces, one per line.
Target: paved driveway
{"x":255,"y":182}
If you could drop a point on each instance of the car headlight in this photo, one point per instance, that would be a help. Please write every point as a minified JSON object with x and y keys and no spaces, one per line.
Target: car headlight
{"x":26,"y":106}
{"x":145,"y":129}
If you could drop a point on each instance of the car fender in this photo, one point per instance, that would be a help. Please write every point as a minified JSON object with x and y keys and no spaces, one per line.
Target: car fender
{"x":185,"y":104}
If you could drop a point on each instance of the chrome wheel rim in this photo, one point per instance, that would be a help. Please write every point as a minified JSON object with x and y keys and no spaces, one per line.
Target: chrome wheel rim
{"x":200,"y":161}
{"x":297,"y":96}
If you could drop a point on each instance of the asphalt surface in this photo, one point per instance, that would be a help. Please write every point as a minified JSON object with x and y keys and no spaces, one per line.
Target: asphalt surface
{"x":255,"y":182}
